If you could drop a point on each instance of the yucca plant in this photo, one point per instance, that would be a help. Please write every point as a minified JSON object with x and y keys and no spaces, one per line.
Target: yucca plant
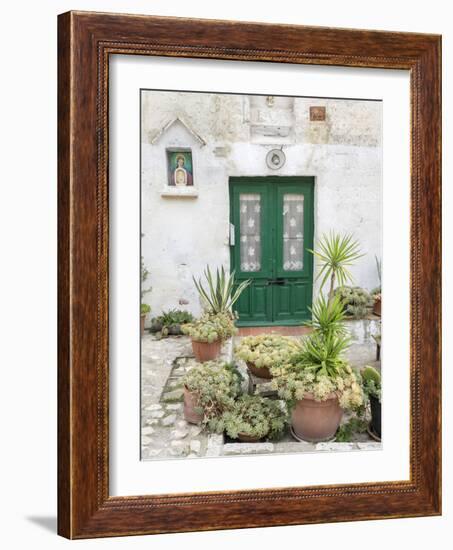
{"x":219,"y":294}
{"x":328,"y":316}
{"x":323,"y":354}
{"x":336,"y":253}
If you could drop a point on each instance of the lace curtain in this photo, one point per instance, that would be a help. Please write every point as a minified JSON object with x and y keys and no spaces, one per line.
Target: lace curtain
{"x":293,"y":232}
{"x":250,"y":230}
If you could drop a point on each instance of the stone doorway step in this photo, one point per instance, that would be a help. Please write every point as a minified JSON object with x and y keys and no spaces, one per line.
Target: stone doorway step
{"x":282,"y":331}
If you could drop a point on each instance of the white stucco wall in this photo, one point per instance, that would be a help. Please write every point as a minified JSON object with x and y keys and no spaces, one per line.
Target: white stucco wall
{"x":230,"y":135}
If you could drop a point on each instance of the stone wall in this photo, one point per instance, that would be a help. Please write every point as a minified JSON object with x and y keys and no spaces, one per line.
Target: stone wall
{"x":230,"y":135}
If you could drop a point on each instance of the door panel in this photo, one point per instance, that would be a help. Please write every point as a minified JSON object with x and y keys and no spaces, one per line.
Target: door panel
{"x":273,"y":226}
{"x":251,"y":254}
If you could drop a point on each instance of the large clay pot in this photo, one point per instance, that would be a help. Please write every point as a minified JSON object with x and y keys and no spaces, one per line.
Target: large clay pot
{"x":316,"y":420}
{"x":377,"y":307}
{"x":190,"y":414}
{"x":142,"y":323}
{"x":375,"y":406}
{"x":260,"y":372}
{"x":205,"y":351}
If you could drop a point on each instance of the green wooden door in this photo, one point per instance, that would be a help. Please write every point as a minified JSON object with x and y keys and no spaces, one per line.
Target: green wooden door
{"x":272,"y":227}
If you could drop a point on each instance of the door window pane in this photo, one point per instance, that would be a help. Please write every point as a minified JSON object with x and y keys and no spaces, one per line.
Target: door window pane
{"x":293,"y":232}
{"x":250,"y":231}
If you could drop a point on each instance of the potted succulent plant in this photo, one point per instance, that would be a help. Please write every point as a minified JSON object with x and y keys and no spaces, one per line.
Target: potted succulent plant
{"x":207,"y":333}
{"x":144,"y":310}
{"x":253,"y":418}
{"x":357,"y":301}
{"x":209,"y":390}
{"x":371,"y":380}
{"x":265,"y":350}
{"x":169,"y":323}
{"x":217,"y":323}
{"x":318,"y":385}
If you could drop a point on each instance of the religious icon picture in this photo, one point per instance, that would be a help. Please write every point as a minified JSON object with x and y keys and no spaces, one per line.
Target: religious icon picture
{"x":180,"y":168}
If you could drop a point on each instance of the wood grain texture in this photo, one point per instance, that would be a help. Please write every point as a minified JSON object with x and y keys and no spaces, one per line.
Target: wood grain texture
{"x":85,"y":42}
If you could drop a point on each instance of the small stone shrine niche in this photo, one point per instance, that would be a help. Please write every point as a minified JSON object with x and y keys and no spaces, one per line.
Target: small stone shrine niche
{"x":178,"y":143}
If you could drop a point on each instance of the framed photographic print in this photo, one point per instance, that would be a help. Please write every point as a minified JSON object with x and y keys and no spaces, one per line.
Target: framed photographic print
{"x":249,"y":275}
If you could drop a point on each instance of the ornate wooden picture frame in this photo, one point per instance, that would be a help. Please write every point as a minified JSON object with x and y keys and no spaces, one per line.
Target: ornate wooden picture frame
{"x":86,"y":41}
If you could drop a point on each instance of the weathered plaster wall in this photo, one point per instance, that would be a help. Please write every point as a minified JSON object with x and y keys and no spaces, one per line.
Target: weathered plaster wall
{"x":229,"y":136}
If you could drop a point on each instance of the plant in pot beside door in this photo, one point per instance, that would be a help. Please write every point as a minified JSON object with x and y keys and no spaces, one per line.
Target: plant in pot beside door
{"x":265,"y":350}
{"x":318,"y":385}
{"x":253,"y":418}
{"x":209,"y":390}
{"x":217,"y":323}
{"x":207,"y":333}
{"x":371,"y":380}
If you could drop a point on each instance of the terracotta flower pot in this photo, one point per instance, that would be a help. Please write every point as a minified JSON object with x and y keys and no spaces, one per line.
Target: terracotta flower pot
{"x":190,"y":414}
{"x":260,"y":372}
{"x":377,"y":307}
{"x":316,"y":420}
{"x":142,"y":323}
{"x":205,"y":351}
{"x":248,"y":438}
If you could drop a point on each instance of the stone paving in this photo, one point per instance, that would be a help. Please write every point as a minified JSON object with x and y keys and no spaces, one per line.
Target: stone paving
{"x":164,"y":431}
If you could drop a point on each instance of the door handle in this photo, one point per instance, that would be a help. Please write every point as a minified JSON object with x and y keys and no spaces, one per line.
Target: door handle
{"x":279,"y":281}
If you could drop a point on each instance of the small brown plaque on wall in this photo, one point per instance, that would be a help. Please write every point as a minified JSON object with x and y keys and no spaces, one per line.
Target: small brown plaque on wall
{"x":317,"y":114}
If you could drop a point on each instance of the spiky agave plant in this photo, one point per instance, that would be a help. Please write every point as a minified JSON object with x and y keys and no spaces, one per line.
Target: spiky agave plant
{"x":336,"y":253}
{"x":328,"y":316}
{"x":220,"y":294}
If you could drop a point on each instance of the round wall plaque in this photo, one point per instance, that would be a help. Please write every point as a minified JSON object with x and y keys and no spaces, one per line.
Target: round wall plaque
{"x":275,"y":159}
